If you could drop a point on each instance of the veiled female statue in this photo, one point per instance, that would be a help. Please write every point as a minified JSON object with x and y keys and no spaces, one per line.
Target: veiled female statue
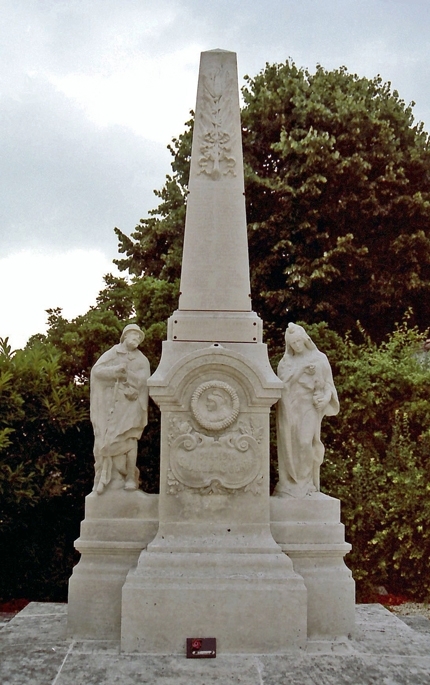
{"x":308,"y":395}
{"x":119,"y":411}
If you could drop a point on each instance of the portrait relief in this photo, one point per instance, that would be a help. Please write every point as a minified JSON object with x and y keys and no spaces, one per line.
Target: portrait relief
{"x":215,"y":405}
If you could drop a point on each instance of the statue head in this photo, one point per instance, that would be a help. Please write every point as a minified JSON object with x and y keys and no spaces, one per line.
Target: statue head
{"x":296,"y":338}
{"x":215,"y":400}
{"x":132,"y":327}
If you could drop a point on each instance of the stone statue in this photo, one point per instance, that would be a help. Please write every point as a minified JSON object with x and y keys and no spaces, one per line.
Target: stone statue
{"x":308,"y":395}
{"x":119,"y":411}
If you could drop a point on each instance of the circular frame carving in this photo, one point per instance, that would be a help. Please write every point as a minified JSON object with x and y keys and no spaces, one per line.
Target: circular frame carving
{"x":223,"y":416}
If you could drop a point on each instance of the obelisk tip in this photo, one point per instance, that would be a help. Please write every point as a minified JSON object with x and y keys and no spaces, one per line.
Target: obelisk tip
{"x":221,"y":50}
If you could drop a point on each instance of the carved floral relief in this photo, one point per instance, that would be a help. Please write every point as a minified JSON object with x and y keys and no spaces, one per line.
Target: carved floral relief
{"x":213,"y":126}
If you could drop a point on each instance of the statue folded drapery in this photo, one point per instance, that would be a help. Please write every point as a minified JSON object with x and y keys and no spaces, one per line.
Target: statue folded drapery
{"x":308,"y":395}
{"x":119,"y":411}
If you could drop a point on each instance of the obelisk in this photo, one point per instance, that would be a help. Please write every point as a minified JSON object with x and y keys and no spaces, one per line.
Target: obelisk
{"x":214,"y":569}
{"x":215,"y":298}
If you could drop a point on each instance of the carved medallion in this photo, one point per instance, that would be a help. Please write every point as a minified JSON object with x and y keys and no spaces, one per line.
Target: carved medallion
{"x":215,"y":405}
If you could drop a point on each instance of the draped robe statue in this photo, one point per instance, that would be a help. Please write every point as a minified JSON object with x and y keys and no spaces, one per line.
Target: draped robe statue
{"x":308,"y":395}
{"x":119,"y":411}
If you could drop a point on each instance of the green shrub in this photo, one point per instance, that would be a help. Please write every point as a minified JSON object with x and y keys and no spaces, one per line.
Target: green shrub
{"x":376,"y":462}
{"x":377,"y":458}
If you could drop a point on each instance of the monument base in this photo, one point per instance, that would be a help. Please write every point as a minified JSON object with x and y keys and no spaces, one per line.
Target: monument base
{"x":117,"y":526}
{"x":310,"y":532}
{"x":251,"y":603}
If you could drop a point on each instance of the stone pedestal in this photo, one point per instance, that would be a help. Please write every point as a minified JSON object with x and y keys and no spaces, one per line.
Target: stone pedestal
{"x":251,"y":603}
{"x":310,"y":532}
{"x":117,"y":526}
{"x":214,"y":570}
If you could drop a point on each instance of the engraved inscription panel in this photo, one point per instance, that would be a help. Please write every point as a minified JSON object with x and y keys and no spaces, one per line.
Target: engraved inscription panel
{"x":233,"y":460}
{"x":224,"y":463}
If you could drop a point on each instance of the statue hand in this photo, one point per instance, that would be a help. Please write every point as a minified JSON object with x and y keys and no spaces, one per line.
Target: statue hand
{"x":121,"y":372}
{"x":320,"y":401}
{"x":131,"y":394}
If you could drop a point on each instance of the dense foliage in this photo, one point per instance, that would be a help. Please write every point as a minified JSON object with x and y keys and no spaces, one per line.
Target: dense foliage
{"x":338,"y":200}
{"x":43,"y":439}
{"x":46,"y":442}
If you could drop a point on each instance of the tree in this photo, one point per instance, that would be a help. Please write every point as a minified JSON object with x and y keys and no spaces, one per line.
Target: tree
{"x":155,"y":247}
{"x":338,"y":199}
{"x":43,"y":472}
{"x":46,"y":438}
{"x":337,"y":181}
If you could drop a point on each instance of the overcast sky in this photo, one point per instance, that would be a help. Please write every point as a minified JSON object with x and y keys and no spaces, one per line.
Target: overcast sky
{"x":92,"y":91}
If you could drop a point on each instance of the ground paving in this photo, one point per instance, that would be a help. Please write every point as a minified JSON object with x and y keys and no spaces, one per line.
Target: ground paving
{"x":385,"y":650}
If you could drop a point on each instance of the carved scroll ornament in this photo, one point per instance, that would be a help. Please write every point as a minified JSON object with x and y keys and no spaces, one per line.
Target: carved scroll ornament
{"x":207,"y":464}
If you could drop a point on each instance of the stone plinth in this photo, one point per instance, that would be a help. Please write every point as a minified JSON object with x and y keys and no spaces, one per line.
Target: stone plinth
{"x":251,"y":603}
{"x":117,"y":526}
{"x":214,"y":569}
{"x":310,"y":532}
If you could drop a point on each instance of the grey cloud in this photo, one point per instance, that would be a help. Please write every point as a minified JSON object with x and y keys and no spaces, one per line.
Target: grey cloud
{"x":369,"y":37}
{"x":67,"y":182}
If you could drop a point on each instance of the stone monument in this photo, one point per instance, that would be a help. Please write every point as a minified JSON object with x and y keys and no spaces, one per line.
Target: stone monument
{"x":213,"y":555}
{"x":214,"y":569}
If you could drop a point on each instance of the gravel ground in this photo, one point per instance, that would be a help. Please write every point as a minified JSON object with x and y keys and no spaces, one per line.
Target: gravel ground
{"x":411,"y":609}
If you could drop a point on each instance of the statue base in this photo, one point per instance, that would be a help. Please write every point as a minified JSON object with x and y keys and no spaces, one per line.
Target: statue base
{"x":118,"y":524}
{"x":310,"y":532}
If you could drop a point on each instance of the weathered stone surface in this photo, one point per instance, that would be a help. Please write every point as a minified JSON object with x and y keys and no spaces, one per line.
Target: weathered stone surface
{"x":215,"y":268}
{"x":34,"y":650}
{"x":119,"y":520}
{"x":214,"y":565}
{"x":308,"y":529}
{"x":117,"y":526}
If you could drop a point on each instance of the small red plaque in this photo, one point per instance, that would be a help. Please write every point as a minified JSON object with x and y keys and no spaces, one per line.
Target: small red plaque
{"x":201,"y":647}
